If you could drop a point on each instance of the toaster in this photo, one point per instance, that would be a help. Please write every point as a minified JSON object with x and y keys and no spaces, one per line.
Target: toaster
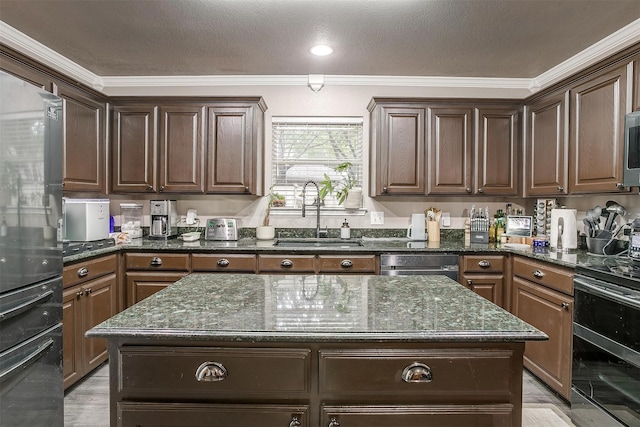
{"x":221,"y":229}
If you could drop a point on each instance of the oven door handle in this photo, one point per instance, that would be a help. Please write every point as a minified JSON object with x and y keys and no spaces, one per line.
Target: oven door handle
{"x":27,"y":361}
{"x":607,"y":344}
{"x":25,"y":306}
{"x":581,"y":284}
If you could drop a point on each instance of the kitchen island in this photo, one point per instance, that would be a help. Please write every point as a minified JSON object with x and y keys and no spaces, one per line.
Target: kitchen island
{"x":317,"y":350}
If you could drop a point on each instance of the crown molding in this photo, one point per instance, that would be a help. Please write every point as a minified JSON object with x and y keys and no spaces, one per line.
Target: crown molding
{"x":41,"y":53}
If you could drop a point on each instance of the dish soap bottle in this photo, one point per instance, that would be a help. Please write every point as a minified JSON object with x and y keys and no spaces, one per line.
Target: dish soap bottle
{"x":345,"y":231}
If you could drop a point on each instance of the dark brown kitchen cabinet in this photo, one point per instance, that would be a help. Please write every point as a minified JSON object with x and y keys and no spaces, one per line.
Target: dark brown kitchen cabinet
{"x":232,"y":263}
{"x":27,"y":73}
{"x":497,"y":151}
{"x":547,"y":146}
{"x":134,"y":148}
{"x":148,"y":273}
{"x":397,"y":156}
{"x":485,"y":275}
{"x":635,"y":103}
{"x":450,"y":151}
{"x":598,"y":106}
{"x":543,"y":297}
{"x":89,"y":298}
{"x":233,"y":155}
{"x":85,"y":116}
{"x":181,"y":149}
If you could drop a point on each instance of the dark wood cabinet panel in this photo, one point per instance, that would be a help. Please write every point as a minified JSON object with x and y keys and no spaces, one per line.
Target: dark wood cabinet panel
{"x":84,"y":167}
{"x":484,"y":275}
{"x":181,"y":149}
{"x":232,"y":263}
{"x":547,"y":146}
{"x":72,"y":366}
{"x":490,"y":287}
{"x":635,"y":104}
{"x":497,"y":148}
{"x":140,"y":285}
{"x":597,"y":133}
{"x":26,"y":73}
{"x":450,"y":151}
{"x":135,"y":134}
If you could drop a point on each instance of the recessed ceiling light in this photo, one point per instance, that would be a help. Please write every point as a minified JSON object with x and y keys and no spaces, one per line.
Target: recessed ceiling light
{"x":321,"y":50}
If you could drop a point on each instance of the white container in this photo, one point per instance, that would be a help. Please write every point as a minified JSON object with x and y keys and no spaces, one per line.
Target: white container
{"x":85,"y":220}
{"x":564,"y":231}
{"x":416,"y":229}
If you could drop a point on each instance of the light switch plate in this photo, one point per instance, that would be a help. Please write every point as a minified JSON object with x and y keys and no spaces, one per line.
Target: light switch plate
{"x":377,"y":218}
{"x":445,"y":219}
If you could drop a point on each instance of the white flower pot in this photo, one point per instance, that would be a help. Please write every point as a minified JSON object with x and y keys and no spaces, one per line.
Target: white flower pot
{"x":354,"y":199}
{"x":265,"y":232}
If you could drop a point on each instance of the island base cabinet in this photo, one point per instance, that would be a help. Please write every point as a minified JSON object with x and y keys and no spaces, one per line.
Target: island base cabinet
{"x":196,"y":415}
{"x":418,"y":416}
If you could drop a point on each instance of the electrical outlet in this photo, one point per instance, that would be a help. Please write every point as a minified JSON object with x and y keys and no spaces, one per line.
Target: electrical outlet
{"x":377,"y":218}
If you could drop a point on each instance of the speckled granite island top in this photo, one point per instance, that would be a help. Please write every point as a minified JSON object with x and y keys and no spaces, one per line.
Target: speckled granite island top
{"x":299,"y":308}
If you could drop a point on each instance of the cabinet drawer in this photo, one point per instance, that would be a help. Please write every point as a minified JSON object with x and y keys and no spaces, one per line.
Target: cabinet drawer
{"x":280,"y":263}
{"x":483,"y":263}
{"x":545,"y":274}
{"x":142,"y":414}
{"x":347,"y":264}
{"x":158,"y":261}
{"x":88,"y":270}
{"x":380,"y":372}
{"x":171,"y":372}
{"x":223,"y":262}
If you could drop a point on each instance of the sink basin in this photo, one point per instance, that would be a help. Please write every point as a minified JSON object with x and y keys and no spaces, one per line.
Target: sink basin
{"x":318,"y":243}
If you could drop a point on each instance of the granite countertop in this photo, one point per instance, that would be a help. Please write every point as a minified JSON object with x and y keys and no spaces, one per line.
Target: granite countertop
{"x":370,"y":245}
{"x":299,"y":308}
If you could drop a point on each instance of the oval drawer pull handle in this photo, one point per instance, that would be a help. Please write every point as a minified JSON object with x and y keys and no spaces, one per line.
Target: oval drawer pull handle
{"x":295,"y":422}
{"x":417,"y":373}
{"x":211,"y":372}
{"x":537,"y":273}
{"x":286,"y":263}
{"x":333,"y":422}
{"x":484,"y":264}
{"x":82,"y":272}
{"x":346,"y":263}
{"x":156,"y":261}
{"x":223,"y":262}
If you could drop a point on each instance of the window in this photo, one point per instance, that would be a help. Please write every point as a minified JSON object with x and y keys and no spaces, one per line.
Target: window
{"x":308,"y":148}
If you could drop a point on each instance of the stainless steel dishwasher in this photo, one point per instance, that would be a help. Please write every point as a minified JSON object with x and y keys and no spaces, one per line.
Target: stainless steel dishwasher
{"x":419,"y":264}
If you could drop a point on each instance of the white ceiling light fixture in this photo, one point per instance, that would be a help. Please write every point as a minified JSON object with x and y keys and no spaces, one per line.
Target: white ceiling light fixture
{"x":316,"y":82}
{"x":321,"y":50}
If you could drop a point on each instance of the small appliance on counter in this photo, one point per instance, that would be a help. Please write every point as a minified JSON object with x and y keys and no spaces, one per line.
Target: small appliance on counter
{"x":563,"y":235}
{"x":221,"y":229}
{"x":164,"y":219}
{"x":85,"y":220}
{"x":131,"y":219}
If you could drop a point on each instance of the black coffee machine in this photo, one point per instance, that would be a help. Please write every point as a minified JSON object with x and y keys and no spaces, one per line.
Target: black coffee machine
{"x":164,"y":219}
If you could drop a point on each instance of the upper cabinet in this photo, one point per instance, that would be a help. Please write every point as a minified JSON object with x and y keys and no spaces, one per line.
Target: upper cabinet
{"x":173,"y":146}
{"x":635,"y":105}
{"x":547,"y":145}
{"x":597,"y":132}
{"x":85,"y":116}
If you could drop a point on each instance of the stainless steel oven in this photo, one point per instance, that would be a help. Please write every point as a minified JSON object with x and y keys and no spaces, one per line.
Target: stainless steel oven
{"x":606,"y":350}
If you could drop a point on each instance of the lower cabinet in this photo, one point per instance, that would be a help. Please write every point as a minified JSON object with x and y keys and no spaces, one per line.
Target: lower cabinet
{"x":148,"y":273}
{"x":89,"y":298}
{"x":317,"y":385}
{"x":484,"y":275}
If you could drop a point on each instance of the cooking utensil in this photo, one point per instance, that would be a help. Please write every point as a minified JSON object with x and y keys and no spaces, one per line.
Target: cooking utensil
{"x":613,"y":209}
{"x":588,"y":230}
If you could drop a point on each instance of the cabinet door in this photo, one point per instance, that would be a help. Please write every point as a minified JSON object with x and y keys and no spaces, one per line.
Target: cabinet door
{"x":597,"y":133}
{"x":490,"y":287}
{"x":230,"y":145}
{"x":450,"y":150}
{"x":181,"y":149}
{"x":635,"y":105}
{"x":141,"y":285}
{"x":134,"y":148}
{"x":547,"y":146}
{"x":72,"y":332}
{"x":400,"y":152}
{"x":25,"y":72}
{"x":552,"y":313}
{"x":98,"y":305}
{"x":84,"y":141}
{"x":497,"y":159}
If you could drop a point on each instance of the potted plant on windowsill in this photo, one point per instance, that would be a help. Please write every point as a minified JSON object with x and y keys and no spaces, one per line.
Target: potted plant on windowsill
{"x":347,"y":194}
{"x":267,"y":231}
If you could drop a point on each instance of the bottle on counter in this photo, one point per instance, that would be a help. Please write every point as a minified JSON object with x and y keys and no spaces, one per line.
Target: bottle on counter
{"x":499,"y":225}
{"x":345,"y":231}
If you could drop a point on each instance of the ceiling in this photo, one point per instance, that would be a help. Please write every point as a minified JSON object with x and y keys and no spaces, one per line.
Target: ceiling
{"x":454,"y":38}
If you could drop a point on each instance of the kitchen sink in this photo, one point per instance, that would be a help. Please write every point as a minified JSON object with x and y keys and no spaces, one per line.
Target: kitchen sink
{"x":318,"y":243}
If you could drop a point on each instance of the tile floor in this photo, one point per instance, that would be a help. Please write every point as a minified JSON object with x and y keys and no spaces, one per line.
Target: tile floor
{"x":86,"y":403}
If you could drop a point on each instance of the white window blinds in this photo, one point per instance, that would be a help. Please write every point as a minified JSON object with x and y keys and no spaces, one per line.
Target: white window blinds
{"x":307,"y":148}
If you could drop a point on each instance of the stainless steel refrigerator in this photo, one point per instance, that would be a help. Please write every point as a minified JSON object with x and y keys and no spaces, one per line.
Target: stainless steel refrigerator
{"x":31,"y":390}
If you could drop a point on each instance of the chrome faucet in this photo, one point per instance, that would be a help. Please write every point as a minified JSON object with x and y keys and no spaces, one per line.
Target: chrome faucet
{"x":317,"y":205}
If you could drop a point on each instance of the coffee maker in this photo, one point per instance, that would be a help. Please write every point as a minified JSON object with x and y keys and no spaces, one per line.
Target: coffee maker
{"x":164,"y":219}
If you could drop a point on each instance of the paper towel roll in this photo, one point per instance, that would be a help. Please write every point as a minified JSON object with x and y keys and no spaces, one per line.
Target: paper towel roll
{"x":569,"y":237}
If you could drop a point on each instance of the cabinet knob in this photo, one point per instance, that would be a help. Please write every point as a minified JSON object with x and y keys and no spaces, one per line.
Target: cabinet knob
{"x":156,"y":261}
{"x":246,"y":189}
{"x":620,"y":186}
{"x":539,"y":274}
{"x":211,"y":372}
{"x":149,"y":187}
{"x":162,"y":188}
{"x":469,"y":282}
{"x":560,"y":188}
{"x":468,"y":189}
{"x":78,"y":295}
{"x":565,"y":305}
{"x":333,"y":422}
{"x":385,"y":190}
{"x":295,"y":422}
{"x":82,"y":272}
{"x":480,"y":190}
{"x":87,"y":291}
{"x":346,"y":263}
{"x":484,"y":264}
{"x":223,"y":262}
{"x":286,"y":263}
{"x":417,"y":373}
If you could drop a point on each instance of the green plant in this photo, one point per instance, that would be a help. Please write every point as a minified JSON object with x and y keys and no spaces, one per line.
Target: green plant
{"x":340,"y":187}
{"x":274,"y":199}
